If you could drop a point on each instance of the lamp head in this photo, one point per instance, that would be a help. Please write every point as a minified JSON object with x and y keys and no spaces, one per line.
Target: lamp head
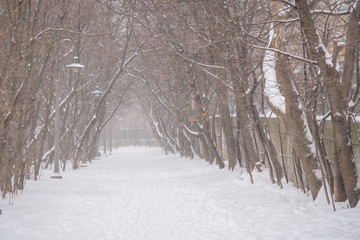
{"x":75,"y":66}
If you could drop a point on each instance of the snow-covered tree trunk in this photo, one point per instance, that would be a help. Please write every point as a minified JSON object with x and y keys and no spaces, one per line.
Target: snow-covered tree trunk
{"x":337,"y":90}
{"x":285,"y":102}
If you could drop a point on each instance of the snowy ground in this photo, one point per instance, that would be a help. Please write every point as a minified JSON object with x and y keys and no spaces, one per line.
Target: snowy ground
{"x":139,"y":193}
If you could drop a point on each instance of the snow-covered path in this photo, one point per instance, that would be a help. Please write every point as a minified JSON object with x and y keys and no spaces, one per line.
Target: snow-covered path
{"x":139,"y":193}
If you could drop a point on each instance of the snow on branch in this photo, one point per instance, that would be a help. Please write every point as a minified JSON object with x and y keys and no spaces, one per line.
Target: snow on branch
{"x":43,"y":32}
{"x":328,"y":57}
{"x":272,"y":89}
{"x":63,"y":102}
{"x":156,"y":126}
{"x":332,"y":13}
{"x":218,"y":78}
{"x":48,"y":153}
{"x":201,"y":64}
{"x":281,"y":52}
{"x":189,"y":130}
{"x":288,"y":3}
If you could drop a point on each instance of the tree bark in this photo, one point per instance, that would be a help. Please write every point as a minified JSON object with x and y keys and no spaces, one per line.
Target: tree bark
{"x":337,"y":96}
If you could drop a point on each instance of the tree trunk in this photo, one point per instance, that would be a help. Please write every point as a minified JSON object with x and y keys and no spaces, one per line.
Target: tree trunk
{"x":337,"y":96}
{"x":294,"y":115}
{"x":296,"y":124}
{"x":227,"y":125}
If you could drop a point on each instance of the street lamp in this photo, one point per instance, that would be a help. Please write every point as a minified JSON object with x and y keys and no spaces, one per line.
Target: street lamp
{"x":75,"y":67}
{"x":97,"y":93}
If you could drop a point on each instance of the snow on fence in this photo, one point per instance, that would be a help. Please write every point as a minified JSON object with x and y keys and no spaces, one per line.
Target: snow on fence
{"x":283,"y":145}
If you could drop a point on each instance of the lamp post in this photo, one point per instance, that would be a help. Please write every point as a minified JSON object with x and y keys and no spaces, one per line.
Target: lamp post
{"x":75,"y":67}
{"x":97,"y":93}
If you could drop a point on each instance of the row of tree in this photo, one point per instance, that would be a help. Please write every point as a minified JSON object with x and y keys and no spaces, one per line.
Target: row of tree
{"x":221,"y":59}
{"x":39,"y":40}
{"x":193,"y":66}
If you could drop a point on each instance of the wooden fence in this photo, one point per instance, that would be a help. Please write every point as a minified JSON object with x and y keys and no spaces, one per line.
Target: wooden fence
{"x":279,"y":136}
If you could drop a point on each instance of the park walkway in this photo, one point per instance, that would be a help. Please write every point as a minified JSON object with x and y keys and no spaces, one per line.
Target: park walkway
{"x":142,"y":194}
